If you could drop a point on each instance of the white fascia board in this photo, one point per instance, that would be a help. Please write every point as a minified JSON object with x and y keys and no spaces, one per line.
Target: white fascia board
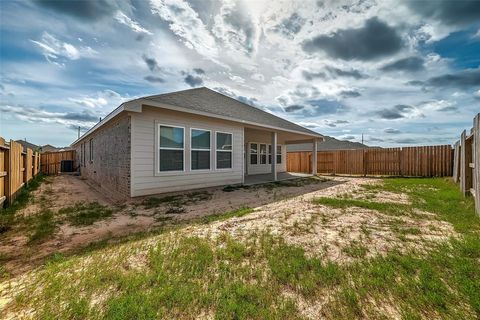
{"x":130,"y":106}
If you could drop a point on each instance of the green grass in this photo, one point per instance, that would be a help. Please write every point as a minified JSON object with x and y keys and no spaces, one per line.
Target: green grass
{"x":387,"y":208}
{"x":240,"y":212}
{"x":177,"y":201}
{"x":44,"y":226}
{"x":355,"y":250}
{"x":84,"y":214}
{"x":182,"y":276}
{"x":440,"y":196}
{"x":7,"y":216}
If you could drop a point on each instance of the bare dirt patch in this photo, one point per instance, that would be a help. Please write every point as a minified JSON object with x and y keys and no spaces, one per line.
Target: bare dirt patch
{"x":137,"y":215}
{"x":340,"y":235}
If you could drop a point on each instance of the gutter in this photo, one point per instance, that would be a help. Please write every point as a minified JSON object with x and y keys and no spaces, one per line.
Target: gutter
{"x":137,"y":104}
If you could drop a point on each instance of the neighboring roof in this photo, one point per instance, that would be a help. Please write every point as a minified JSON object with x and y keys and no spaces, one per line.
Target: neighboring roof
{"x":27,"y":144}
{"x":50,"y":148}
{"x":210,"y":103}
{"x":329,"y":143}
{"x":215,"y":103}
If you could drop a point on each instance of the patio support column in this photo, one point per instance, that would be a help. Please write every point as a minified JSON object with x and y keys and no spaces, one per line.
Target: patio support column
{"x":273,"y":155}
{"x":314,"y":157}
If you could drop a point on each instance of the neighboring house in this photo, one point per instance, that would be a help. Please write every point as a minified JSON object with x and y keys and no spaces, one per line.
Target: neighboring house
{"x":185,"y":140}
{"x":328,"y":144}
{"x":50,"y":148}
{"x":25,"y":144}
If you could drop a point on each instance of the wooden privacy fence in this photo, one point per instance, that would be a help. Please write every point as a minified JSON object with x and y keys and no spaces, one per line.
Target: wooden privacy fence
{"x":51,"y":161}
{"x":17,"y":168}
{"x":466,"y":168}
{"x":428,"y":161}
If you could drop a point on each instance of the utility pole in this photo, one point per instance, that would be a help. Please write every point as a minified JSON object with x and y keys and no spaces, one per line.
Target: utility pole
{"x":78,"y":131}
{"x":362,"y":138}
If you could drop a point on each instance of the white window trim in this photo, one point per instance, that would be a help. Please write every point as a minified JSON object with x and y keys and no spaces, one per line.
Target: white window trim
{"x":250,"y":153}
{"x":260,"y":153}
{"x":231,"y":151}
{"x":279,"y":154}
{"x":158,"y":151}
{"x":196,"y":149}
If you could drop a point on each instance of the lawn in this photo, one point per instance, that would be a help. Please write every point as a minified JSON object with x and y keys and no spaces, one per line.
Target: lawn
{"x":208,"y":270}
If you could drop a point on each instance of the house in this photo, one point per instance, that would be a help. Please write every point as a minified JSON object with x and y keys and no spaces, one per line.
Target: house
{"x":186,"y":140}
{"x":50,"y":148}
{"x":328,"y":144}
{"x":25,"y":144}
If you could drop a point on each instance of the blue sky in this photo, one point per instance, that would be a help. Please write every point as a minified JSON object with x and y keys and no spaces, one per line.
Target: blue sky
{"x":400,"y":72}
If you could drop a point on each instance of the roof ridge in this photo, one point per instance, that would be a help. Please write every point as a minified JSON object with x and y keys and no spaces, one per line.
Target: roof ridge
{"x":270,"y":114}
{"x":170,"y":93}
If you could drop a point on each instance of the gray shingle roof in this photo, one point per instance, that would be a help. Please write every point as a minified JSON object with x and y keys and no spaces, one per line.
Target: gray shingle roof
{"x":27,"y":144}
{"x":217,"y":104}
{"x":329,"y":143}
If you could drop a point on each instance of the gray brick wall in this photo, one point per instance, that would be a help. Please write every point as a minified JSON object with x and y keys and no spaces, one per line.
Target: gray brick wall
{"x":109,"y":165}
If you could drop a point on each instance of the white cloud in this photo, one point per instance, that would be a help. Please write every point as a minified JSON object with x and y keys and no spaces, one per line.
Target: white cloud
{"x":35,"y":115}
{"x":100,"y":100}
{"x":477,"y":35}
{"x":56,"y":51}
{"x":258,"y":77}
{"x":185,"y":23}
{"x":237,"y":79}
{"x":135,"y":26}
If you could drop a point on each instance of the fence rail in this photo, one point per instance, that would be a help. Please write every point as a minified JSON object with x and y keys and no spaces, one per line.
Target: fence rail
{"x":427,"y":161}
{"x":51,"y":161}
{"x":17,"y":168}
{"x":467,"y":162}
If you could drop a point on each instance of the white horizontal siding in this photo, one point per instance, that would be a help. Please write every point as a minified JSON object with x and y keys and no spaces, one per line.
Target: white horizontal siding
{"x":146,"y":180}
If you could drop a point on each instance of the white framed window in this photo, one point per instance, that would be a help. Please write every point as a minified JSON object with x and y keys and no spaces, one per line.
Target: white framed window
{"x":200,"y":147}
{"x":279,"y":154}
{"x":223,"y":150}
{"x":90,"y":150}
{"x":253,"y":153}
{"x":171,"y":148}
{"x":263,"y":153}
{"x":269,"y":154}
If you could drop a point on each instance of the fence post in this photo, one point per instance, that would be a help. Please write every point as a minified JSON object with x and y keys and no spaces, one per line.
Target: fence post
{"x":476,"y":161}
{"x":9,"y":169}
{"x":400,"y":154}
{"x":314,"y":157}
{"x":465,"y":170}
{"x":365,"y":160}
{"x":456,"y":158}
{"x":4,"y":173}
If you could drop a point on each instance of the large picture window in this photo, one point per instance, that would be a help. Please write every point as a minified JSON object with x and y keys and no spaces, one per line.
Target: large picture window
{"x":171,"y":148}
{"x":200,"y":149}
{"x":253,"y":153}
{"x":224,"y":150}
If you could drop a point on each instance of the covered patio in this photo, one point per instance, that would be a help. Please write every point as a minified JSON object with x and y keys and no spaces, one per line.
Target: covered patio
{"x":267,"y":177}
{"x":265,"y":154}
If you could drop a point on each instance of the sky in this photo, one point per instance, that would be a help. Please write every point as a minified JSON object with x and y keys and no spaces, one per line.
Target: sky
{"x":399,"y":72}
